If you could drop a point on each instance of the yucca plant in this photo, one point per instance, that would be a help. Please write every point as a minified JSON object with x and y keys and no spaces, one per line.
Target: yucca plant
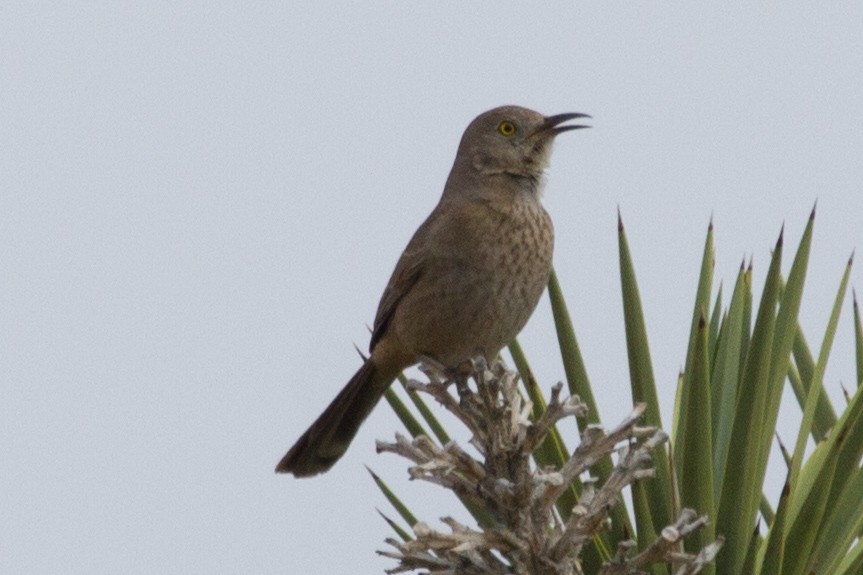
{"x":541,"y":507}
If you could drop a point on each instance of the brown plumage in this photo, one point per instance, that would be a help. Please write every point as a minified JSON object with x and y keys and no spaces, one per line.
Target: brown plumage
{"x":468,"y":280}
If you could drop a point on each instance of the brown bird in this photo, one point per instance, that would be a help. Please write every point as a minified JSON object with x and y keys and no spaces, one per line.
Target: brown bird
{"x":468,"y":280}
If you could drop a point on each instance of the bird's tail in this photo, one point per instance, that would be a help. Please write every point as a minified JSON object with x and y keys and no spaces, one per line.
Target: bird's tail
{"x":330,"y":435}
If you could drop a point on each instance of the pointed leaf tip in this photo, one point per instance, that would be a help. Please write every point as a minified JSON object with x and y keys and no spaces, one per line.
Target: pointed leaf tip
{"x":851,"y":258}
{"x":814,"y":207}
{"x":779,"y":442}
{"x":781,"y":236}
{"x":619,"y":220}
{"x":363,"y":356}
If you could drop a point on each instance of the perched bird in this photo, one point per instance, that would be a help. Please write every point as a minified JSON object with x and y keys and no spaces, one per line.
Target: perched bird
{"x":468,"y":280}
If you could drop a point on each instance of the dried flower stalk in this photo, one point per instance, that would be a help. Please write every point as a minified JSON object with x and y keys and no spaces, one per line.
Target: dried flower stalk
{"x":529,"y":536}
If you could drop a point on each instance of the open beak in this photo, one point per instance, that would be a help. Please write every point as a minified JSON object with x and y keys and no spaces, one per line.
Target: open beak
{"x":552,"y":125}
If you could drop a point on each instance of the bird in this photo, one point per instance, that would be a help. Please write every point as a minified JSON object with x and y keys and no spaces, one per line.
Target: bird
{"x":468,"y":280}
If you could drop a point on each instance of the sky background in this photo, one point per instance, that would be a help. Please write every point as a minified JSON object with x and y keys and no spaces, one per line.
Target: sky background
{"x":201,"y":203}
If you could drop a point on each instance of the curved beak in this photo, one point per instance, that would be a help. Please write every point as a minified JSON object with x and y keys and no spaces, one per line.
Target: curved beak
{"x":552,"y":124}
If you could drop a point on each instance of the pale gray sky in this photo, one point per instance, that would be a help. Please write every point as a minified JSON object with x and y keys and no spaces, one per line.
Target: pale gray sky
{"x":202,"y":202}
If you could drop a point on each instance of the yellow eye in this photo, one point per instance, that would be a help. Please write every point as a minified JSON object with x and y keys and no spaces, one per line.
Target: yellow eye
{"x":506,"y":128}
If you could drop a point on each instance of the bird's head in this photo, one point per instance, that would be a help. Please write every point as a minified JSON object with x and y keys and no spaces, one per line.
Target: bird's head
{"x":512,"y":141}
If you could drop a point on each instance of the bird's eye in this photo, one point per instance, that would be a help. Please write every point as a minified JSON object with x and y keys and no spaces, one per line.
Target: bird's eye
{"x":506,"y":128}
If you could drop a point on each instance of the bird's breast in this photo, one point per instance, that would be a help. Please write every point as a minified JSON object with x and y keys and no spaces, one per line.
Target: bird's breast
{"x":482,"y":283}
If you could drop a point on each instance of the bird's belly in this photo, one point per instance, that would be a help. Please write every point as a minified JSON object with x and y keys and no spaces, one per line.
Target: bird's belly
{"x":473,"y":306}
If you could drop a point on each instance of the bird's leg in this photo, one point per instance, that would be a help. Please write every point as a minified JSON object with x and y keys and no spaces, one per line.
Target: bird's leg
{"x":462,"y":387}
{"x":479,"y":364}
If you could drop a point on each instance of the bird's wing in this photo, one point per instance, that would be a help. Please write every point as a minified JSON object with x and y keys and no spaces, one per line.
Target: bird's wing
{"x":408,"y":271}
